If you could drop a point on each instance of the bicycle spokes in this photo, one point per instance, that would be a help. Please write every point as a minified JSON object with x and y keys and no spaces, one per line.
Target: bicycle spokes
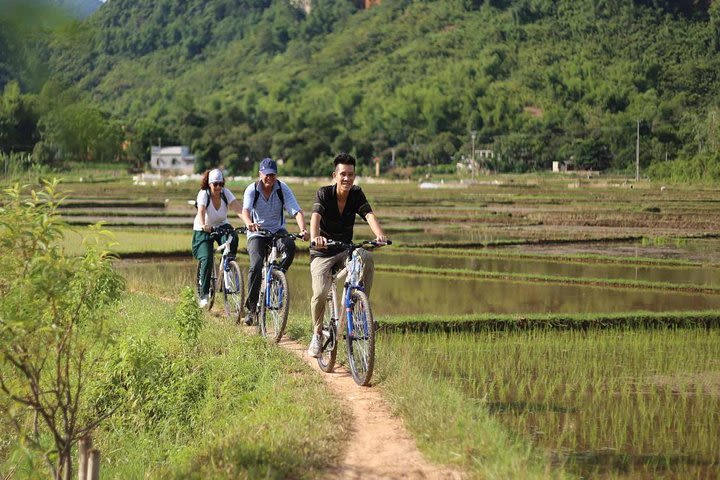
{"x":361,"y":338}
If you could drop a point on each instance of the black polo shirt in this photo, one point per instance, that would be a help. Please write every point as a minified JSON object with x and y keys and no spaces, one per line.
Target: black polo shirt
{"x":333,"y":224}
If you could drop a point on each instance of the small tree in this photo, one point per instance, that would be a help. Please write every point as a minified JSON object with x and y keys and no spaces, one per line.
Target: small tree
{"x":51,"y":322}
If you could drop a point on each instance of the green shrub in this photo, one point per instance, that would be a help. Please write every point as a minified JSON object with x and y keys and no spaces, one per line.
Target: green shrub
{"x":188,"y":317}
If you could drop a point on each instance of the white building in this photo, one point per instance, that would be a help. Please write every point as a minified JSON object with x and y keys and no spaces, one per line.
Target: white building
{"x":172,"y":159}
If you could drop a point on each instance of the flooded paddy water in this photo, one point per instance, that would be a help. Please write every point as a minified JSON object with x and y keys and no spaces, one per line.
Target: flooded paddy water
{"x":408,"y":294}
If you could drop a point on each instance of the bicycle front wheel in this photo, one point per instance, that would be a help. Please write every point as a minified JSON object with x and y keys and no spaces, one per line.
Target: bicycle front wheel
{"x":233,"y":291}
{"x":328,"y":343}
{"x":273,"y":314}
{"x":360,"y":337}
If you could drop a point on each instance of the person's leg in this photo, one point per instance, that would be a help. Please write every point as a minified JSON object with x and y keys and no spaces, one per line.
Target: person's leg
{"x":287,"y":246}
{"x":202,"y":250}
{"x":321,"y":275}
{"x":233,"y":244}
{"x":256,"y":247}
{"x":368,"y":269}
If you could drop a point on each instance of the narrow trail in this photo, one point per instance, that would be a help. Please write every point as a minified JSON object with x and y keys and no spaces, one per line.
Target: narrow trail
{"x":383,"y":449}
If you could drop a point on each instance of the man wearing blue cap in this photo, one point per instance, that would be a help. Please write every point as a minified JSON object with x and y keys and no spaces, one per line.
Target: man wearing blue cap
{"x":264,"y":203}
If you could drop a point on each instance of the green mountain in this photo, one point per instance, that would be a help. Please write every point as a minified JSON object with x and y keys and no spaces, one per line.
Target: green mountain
{"x":536,"y":80}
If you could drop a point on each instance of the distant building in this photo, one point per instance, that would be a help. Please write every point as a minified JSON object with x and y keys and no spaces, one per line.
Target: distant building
{"x":562,"y":166}
{"x":306,"y":5}
{"x":172,"y":159}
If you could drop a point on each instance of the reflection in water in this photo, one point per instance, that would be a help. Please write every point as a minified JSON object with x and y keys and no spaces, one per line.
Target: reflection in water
{"x":649,"y":273}
{"x":403,"y":294}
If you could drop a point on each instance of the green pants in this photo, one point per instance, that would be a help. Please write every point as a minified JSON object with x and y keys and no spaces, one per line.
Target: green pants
{"x":202,"y":250}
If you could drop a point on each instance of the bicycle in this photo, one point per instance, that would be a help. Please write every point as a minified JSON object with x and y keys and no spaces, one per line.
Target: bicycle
{"x":359,"y":322}
{"x":274,"y":297}
{"x":232,"y":285}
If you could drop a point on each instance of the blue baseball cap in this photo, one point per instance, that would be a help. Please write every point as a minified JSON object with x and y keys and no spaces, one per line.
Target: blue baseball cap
{"x":268,"y":166}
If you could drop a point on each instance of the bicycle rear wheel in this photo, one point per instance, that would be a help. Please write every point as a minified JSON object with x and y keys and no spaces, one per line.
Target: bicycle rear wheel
{"x":233,"y":291}
{"x":328,"y":343}
{"x":361,"y":339}
{"x":272,"y":317}
{"x":198,"y":288}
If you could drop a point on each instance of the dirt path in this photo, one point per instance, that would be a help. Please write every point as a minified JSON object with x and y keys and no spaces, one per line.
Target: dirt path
{"x":384,"y":449}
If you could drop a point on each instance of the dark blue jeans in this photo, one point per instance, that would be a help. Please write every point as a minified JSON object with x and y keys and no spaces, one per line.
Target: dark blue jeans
{"x":257,"y":247}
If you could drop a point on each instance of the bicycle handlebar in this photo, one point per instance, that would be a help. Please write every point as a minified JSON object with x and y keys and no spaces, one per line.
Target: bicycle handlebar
{"x":265,"y":233}
{"x":225,"y":228}
{"x":352,"y":246}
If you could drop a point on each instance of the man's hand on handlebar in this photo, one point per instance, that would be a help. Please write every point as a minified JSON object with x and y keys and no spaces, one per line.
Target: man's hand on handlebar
{"x":319,"y":242}
{"x":381,"y":238}
{"x":254,"y":227}
{"x":304,"y":235}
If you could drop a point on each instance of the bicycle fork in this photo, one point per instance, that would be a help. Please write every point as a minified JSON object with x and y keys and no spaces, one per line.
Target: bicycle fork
{"x":352,"y":321}
{"x":266,"y":287}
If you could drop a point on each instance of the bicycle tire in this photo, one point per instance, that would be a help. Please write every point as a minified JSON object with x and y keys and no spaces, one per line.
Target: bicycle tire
{"x":272,"y":318}
{"x":233,"y":289}
{"x":361,"y":342}
{"x":329,"y":343}
{"x":211,"y":292}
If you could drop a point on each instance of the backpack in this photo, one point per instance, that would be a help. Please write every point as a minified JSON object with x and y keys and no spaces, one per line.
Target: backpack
{"x":280,"y":196}
{"x":223,"y":198}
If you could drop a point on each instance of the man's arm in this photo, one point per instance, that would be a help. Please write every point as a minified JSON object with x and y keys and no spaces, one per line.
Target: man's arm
{"x":315,"y":236}
{"x":247,"y":218}
{"x":300,"y":219}
{"x":375,"y":227}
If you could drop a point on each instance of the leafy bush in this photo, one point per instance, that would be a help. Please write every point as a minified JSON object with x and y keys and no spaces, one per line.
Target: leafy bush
{"x":188,"y":317}
{"x":148,"y":385}
{"x":52,"y":322}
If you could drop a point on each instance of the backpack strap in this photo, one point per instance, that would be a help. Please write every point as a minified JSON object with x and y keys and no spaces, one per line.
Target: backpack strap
{"x":281,"y":196}
{"x":222,"y":197}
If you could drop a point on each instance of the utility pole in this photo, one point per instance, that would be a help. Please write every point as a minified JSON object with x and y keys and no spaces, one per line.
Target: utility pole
{"x":472,"y":154}
{"x":637,"y":153}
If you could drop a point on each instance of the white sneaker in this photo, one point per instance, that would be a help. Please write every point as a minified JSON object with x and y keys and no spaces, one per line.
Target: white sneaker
{"x":314,"y":349}
{"x":203,"y":301}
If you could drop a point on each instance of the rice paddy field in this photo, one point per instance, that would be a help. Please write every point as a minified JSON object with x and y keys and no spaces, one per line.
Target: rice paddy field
{"x":580,"y":317}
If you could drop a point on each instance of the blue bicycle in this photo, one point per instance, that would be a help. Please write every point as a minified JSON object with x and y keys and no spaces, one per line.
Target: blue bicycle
{"x":359,"y":322}
{"x":274,"y":299}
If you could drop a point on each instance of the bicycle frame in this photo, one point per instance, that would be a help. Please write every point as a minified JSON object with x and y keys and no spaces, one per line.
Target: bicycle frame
{"x":353,"y":271}
{"x":270,"y":262}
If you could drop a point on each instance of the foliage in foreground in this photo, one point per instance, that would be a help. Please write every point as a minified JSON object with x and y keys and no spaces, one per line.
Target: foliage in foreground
{"x":234,"y":406}
{"x":52,"y":325}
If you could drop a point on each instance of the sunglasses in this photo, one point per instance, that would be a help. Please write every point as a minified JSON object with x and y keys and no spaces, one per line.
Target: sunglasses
{"x":217,"y":184}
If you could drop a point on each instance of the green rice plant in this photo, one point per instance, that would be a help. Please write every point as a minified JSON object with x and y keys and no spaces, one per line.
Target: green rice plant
{"x":612,"y":403}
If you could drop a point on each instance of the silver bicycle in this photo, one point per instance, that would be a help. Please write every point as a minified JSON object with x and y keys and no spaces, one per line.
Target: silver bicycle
{"x":228,"y":272}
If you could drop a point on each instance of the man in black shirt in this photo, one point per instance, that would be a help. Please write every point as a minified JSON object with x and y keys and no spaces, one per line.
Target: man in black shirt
{"x":333,"y":217}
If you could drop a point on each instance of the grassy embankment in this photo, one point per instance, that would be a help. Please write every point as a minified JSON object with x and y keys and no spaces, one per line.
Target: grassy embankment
{"x":230,"y":407}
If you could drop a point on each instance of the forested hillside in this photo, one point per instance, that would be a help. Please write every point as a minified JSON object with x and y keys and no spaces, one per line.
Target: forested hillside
{"x":537,"y":80}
